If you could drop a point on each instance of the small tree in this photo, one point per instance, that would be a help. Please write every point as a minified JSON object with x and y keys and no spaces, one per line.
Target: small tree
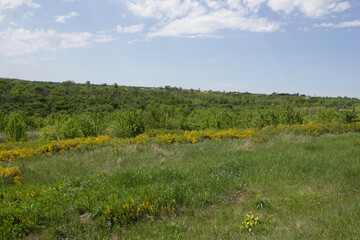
{"x":16,"y":129}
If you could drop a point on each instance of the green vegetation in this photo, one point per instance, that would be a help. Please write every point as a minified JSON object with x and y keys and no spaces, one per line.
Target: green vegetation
{"x":67,"y":110}
{"x":16,"y":128}
{"x":114,"y":162}
{"x":299,"y":186}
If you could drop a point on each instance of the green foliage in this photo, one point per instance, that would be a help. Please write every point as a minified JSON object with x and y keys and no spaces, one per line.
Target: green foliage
{"x":349,"y":116}
{"x":51,"y":132}
{"x":87,"y":127}
{"x":328,"y":115}
{"x":71,"y":129}
{"x":101,"y":109}
{"x":82,"y":126}
{"x":2,"y":121}
{"x":275,"y":116}
{"x":41,"y":99}
{"x":289,"y":116}
{"x":128,"y":124}
{"x":16,"y":129}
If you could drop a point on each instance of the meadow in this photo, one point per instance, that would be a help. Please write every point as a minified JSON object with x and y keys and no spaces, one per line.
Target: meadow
{"x":267,"y":184}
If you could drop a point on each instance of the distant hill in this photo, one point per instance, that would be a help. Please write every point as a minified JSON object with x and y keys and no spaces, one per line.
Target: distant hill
{"x":43,"y":98}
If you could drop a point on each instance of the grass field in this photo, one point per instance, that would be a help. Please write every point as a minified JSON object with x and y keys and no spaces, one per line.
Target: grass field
{"x":295,"y":186}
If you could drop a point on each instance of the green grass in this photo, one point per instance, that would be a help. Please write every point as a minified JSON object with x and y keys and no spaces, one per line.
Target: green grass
{"x":307,"y":187}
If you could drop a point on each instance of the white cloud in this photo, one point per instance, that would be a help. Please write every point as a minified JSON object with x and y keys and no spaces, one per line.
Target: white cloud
{"x":74,"y":40}
{"x":11,"y":4}
{"x":103,"y":38}
{"x":254,"y":4}
{"x":194,"y":18}
{"x":130,"y":29}
{"x":64,"y":18}
{"x":21,"y":41}
{"x":340,"y":7}
{"x":208,"y":24}
{"x":311,"y":8}
{"x":6,"y":5}
{"x":346,"y":24}
{"x":160,"y":9}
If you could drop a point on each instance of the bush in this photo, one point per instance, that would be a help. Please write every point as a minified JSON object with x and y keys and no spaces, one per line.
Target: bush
{"x":128,"y":124}
{"x":87,"y":127}
{"x":349,"y":116}
{"x":328,"y":115}
{"x":70,"y":129}
{"x":16,"y":129}
{"x":51,"y":132}
{"x":2,"y":121}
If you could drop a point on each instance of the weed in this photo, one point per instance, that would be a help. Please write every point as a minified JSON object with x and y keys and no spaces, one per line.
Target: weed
{"x":262,"y":203}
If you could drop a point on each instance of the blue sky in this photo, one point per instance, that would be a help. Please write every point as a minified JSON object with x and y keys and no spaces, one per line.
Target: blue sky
{"x":261,"y":46}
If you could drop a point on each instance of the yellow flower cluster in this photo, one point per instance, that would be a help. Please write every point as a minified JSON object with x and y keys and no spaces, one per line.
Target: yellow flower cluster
{"x":11,"y":155}
{"x":10,"y":175}
{"x":190,"y":136}
{"x":11,"y":151}
{"x":251,"y":221}
{"x":29,"y":151}
{"x":219,"y":135}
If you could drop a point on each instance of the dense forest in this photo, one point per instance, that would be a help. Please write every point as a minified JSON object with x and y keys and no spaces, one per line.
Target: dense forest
{"x":68,"y":110}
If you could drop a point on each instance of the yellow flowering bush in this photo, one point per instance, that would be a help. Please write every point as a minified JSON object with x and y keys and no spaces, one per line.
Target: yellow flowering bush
{"x":29,"y":151}
{"x":10,"y":175}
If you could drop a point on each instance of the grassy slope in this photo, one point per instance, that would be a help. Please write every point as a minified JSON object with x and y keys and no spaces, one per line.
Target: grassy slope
{"x":312,"y":183}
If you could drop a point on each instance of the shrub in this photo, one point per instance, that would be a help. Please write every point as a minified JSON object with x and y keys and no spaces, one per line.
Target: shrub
{"x":51,"y":132}
{"x":70,"y":129}
{"x":16,"y":129}
{"x":2,"y":121}
{"x":328,"y":115}
{"x":128,"y":124}
{"x":349,"y":116}
{"x":87,"y":127}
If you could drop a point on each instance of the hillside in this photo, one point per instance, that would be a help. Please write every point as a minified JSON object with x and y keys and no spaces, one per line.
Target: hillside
{"x":44,"y":98}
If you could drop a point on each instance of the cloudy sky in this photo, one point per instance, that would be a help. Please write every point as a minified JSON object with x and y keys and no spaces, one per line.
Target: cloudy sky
{"x":296,"y":46}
